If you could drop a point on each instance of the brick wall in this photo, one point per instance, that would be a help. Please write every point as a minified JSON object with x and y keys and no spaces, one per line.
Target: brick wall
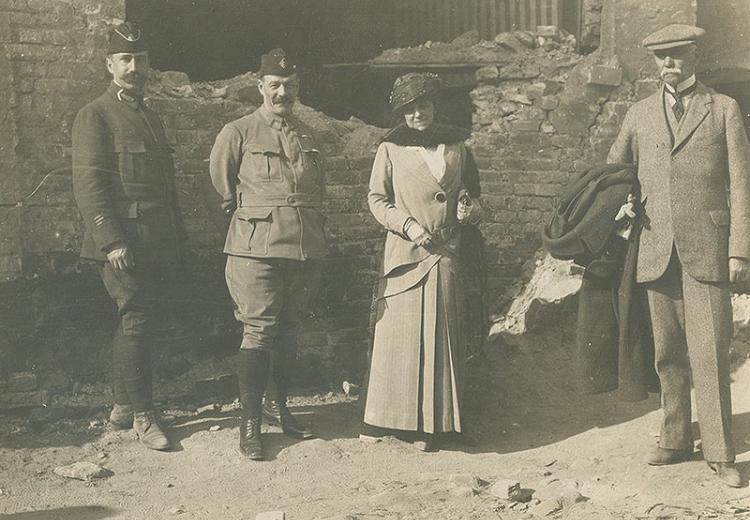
{"x":537,"y":121}
{"x":529,"y":130}
{"x":334,"y":341}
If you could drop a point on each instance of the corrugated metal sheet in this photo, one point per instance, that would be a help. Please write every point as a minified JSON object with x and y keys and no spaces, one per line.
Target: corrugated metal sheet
{"x":417,"y":21}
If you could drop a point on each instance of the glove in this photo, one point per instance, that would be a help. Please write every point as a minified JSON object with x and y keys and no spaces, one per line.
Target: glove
{"x":120,"y":257}
{"x":417,"y":233}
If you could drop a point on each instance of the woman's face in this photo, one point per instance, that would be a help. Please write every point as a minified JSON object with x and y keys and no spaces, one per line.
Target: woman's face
{"x":419,"y":114}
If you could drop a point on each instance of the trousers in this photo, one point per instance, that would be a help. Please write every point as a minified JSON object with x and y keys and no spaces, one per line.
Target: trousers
{"x":136,"y":293}
{"x":692,"y":325}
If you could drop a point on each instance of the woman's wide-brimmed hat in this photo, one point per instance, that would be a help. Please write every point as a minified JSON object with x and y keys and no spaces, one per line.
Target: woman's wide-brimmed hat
{"x":412,"y":86}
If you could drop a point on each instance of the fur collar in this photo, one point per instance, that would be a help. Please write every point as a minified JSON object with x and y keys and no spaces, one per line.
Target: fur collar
{"x":437,"y":134}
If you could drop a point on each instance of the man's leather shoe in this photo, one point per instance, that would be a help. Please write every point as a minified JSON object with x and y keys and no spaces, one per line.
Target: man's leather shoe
{"x":664,"y":456}
{"x":727,"y":473}
{"x":149,"y":431}
{"x":121,"y":417}
{"x":251,"y":444}
{"x":278,"y":414}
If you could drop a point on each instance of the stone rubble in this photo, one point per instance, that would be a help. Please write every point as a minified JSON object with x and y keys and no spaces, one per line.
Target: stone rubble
{"x":86,"y":471}
{"x":469,"y":48}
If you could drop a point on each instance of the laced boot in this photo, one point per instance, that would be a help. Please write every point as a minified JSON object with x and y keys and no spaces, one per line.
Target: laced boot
{"x":149,"y":431}
{"x":251,"y":444}
{"x":277,"y":413}
{"x":121,"y":417}
{"x":274,"y":404}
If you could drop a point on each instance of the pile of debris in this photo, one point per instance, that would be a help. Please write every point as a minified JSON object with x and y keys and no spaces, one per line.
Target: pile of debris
{"x":548,"y":41}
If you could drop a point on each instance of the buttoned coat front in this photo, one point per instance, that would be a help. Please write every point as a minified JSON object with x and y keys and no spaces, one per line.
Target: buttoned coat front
{"x":123,"y":180}
{"x":695,"y":185}
{"x":401,"y":186}
{"x":272,"y":182}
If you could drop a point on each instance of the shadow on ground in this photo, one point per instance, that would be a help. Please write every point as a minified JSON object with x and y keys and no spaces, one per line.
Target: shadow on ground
{"x":64,"y":513}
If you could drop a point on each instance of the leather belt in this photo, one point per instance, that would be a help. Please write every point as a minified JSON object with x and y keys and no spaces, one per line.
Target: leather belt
{"x":294,"y":200}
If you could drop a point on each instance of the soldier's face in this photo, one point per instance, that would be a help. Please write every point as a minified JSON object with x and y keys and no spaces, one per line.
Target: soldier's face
{"x":419,"y":114}
{"x":130,"y":71}
{"x":279,"y":93}
{"x":676,"y":64}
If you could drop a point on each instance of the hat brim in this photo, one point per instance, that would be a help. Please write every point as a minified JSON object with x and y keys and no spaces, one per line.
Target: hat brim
{"x":669,"y":45}
{"x":398,"y":108}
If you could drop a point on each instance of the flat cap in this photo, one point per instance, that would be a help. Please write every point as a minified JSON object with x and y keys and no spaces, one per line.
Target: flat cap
{"x":412,"y":86}
{"x":675,"y":35}
{"x":276,"y":63}
{"x":125,"y":37}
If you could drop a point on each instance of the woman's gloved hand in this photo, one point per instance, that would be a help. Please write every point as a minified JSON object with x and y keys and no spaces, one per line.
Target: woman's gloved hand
{"x":417,"y":233}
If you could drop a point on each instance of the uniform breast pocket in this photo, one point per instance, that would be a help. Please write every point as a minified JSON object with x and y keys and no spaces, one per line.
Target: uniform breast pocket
{"x":254,"y":226}
{"x":133,"y":161}
{"x":312,"y":155}
{"x":264,"y":163}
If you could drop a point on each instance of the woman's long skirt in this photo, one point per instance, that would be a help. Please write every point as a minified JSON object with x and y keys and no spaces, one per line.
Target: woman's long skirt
{"x":417,"y":365}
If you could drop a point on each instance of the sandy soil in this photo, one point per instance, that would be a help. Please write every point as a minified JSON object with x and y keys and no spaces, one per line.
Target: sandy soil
{"x":530,"y":424}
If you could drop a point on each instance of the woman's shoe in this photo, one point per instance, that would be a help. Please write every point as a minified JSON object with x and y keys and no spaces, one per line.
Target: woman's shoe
{"x":426,"y":444}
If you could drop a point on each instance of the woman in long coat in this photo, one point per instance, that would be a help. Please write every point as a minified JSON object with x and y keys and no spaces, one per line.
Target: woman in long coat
{"x":422,"y":183}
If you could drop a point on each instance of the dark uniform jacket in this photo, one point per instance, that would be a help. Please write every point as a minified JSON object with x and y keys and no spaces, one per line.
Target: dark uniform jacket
{"x":123,"y":180}
{"x":269,"y":174}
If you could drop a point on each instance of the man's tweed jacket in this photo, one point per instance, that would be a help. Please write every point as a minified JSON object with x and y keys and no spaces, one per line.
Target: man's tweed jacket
{"x":695,"y":185}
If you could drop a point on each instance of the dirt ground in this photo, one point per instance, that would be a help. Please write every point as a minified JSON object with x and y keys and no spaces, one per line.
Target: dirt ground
{"x":530,"y":425}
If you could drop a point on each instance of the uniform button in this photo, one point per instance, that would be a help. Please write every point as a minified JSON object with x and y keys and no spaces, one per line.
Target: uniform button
{"x":290,"y":200}
{"x":440,"y":197}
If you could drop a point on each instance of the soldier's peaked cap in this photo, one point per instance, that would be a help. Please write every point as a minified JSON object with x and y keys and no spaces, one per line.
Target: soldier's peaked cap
{"x":126,"y":37}
{"x":276,"y":63}
{"x":675,"y":35}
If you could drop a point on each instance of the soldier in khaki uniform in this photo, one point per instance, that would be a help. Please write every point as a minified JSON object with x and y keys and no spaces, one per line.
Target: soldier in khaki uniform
{"x":267,"y":169}
{"x":123,"y":182}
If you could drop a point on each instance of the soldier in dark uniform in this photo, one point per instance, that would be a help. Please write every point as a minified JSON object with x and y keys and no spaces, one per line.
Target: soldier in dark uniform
{"x":267,"y":169}
{"x":123,"y":182}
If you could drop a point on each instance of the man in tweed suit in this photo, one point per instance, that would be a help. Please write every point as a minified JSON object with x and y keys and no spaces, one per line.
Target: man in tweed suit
{"x":692,"y":154}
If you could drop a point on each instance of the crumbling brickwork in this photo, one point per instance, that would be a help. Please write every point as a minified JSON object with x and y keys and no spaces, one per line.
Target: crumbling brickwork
{"x":538,"y":119}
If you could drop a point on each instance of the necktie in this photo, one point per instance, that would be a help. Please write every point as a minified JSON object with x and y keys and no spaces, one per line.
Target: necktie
{"x":678,"y":108}
{"x":289,"y":141}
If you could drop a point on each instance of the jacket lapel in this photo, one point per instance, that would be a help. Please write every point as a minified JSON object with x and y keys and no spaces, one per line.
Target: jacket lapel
{"x":658,"y":118}
{"x":419,"y":167}
{"x":696,"y":113}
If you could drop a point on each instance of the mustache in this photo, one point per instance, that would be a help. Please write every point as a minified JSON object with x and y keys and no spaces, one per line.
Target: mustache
{"x":664,"y":72}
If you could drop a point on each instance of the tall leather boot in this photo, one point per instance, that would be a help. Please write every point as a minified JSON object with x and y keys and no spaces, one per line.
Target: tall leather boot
{"x":252,"y":376}
{"x":274,"y":405}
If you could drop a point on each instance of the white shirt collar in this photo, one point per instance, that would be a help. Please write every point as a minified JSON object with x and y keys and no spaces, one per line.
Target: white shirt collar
{"x":683,"y":85}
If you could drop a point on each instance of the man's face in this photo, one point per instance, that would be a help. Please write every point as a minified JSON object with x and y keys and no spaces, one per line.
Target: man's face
{"x":279,"y":93}
{"x":676,"y":64}
{"x":130,"y":71}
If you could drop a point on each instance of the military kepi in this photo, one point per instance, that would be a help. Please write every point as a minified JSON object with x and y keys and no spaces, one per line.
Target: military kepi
{"x":126,"y":37}
{"x":675,"y":35}
{"x":276,"y":63}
